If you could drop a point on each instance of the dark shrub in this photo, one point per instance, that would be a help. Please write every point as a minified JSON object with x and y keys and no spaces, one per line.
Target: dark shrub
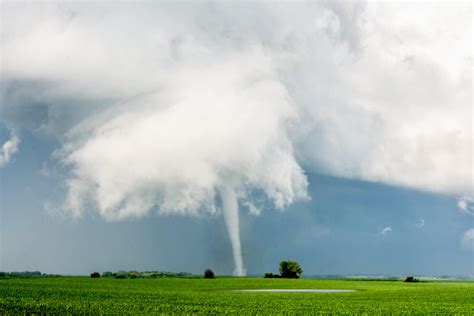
{"x":208,"y":274}
{"x":268,"y":275}
{"x":290,"y":269}
{"x":95,"y":275}
{"x":411,"y":279}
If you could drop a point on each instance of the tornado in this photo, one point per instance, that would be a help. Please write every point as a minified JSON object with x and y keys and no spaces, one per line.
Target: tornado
{"x":231,"y":217}
{"x":194,"y":135}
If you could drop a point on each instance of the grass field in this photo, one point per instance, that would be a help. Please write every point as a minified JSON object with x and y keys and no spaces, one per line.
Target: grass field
{"x":188,"y":295}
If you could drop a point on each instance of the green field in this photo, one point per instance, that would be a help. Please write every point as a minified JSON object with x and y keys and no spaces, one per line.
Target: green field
{"x":195,"y":295}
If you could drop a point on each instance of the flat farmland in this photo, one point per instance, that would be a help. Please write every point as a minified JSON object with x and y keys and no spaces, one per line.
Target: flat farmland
{"x":217,"y":296}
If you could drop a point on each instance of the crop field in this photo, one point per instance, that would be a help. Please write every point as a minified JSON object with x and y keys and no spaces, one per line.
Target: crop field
{"x":61,"y":295}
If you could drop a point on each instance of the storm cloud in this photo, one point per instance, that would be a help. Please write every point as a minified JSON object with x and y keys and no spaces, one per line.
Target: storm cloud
{"x":159,"y":108}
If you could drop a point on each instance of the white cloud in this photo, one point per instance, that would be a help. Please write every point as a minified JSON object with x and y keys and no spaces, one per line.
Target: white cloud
{"x":385,"y":231}
{"x":467,"y":240}
{"x":157,"y":105}
{"x":400,"y":111}
{"x":421,"y":223}
{"x":466,"y":205}
{"x":8,"y":150}
{"x":173,"y":158}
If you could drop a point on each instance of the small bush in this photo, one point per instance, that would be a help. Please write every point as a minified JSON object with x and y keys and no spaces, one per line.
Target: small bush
{"x":95,"y":275}
{"x":121,"y":275}
{"x":411,"y":279}
{"x":268,"y":275}
{"x":133,"y":274}
{"x":107,"y":274}
{"x":208,"y":274}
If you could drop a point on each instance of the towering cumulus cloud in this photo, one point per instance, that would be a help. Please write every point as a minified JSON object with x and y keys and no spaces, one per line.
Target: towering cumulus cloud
{"x":205,"y":108}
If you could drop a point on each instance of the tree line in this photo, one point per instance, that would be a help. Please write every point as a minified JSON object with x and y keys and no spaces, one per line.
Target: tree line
{"x":137,"y":274}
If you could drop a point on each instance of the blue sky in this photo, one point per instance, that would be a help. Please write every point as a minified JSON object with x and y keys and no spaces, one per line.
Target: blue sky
{"x":184,"y":136}
{"x":337,"y":232}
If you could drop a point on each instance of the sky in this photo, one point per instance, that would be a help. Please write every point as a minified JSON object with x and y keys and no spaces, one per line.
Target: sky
{"x":182,"y":136}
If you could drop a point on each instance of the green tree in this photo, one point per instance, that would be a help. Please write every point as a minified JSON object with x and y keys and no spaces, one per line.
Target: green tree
{"x":133,"y":274}
{"x":121,"y":275}
{"x":411,"y":279}
{"x":290,"y":269}
{"x":95,"y":275}
{"x":208,"y":274}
